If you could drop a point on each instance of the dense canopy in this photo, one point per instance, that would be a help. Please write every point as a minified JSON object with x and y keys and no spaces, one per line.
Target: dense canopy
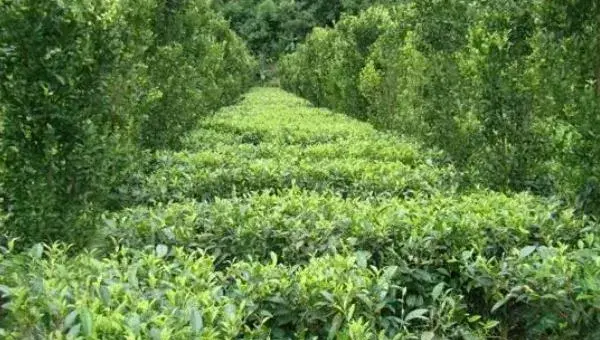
{"x":279,"y":169}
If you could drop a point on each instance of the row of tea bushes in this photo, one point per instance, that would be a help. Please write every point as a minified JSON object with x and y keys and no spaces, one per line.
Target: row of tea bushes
{"x":501,"y":253}
{"x":508,"y":89}
{"x":244,"y":253}
{"x":168,"y":293}
{"x":87,"y":85}
{"x":298,"y":225}
{"x":305,"y":264}
{"x":273,"y":140}
{"x":192,"y":176}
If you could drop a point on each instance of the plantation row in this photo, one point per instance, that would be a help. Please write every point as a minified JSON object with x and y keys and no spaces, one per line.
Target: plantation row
{"x":258,"y":145}
{"x":508,"y":89}
{"x":87,"y":85}
{"x":280,"y":220}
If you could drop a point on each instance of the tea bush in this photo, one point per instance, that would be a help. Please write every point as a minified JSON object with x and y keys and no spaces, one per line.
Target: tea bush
{"x":502,"y":87}
{"x":197,"y":66}
{"x":55,"y":61}
{"x":297,"y":225}
{"x":283,"y":144}
{"x":162,"y":292}
{"x":85,"y":84}
{"x":279,"y":220}
{"x":464,"y":241}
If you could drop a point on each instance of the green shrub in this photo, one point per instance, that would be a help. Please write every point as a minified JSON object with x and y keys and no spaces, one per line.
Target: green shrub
{"x":297,"y":225}
{"x":86,"y":82}
{"x":274,"y":27}
{"x":197,"y":66}
{"x":541,"y":291}
{"x":58,"y":133}
{"x":505,"y":88}
{"x":325,"y":69}
{"x":336,"y":251}
{"x":283,"y":143}
{"x":502,"y":253}
{"x":164,"y":292}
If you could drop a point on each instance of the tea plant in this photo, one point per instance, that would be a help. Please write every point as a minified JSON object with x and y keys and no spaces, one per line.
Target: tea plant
{"x":502,"y":87}
{"x":283,"y":143}
{"x":278,"y":220}
{"x":85,"y":84}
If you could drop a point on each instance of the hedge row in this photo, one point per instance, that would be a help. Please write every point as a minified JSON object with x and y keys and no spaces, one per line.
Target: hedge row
{"x":506,"y":88}
{"x":86,"y":84}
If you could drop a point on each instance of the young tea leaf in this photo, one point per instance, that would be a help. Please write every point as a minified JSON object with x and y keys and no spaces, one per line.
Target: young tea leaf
{"x":417,"y":314}
{"x":196,"y":320}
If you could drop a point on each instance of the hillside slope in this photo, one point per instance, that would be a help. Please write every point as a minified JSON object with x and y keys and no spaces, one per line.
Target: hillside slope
{"x":281,"y":220}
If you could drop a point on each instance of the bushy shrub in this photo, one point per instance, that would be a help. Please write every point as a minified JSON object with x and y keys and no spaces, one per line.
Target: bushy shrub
{"x":162,"y":291}
{"x":197,"y":66}
{"x":58,"y":133}
{"x":326,"y":68}
{"x":274,"y":27}
{"x":294,"y":262}
{"x":84,"y":83}
{"x":274,"y":144}
{"x":502,"y":87}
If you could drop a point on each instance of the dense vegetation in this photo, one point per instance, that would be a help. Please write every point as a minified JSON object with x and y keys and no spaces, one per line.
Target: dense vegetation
{"x":274,"y":27}
{"x":284,"y":220}
{"x":149,"y":193}
{"x":85,"y":84}
{"x":507,"y":88}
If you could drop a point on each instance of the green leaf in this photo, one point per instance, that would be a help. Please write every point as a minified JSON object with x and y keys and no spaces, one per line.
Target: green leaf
{"x":60,"y":79}
{"x":4,"y":290}
{"x":134,"y":323}
{"x":335,"y":326}
{"x":161,"y":250}
{"x":437,"y":290}
{"x":87,"y":323}
{"x":491,"y":324}
{"x":74,"y":331}
{"x":427,"y":336}
{"x":70,"y":320}
{"x":196,"y":320}
{"x":273,"y":258}
{"x":37,"y":251}
{"x":389,"y":272}
{"x":500,"y":303}
{"x":362,"y":258}
{"x":105,"y":295}
{"x":526,"y":251}
{"x":132,"y":276}
{"x":474,"y":318}
{"x":328,"y":296}
{"x":110,"y":223}
{"x":417,"y":314}
{"x":155,"y":334}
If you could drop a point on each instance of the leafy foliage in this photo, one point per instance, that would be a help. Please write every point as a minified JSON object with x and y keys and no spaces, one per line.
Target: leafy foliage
{"x":273,"y":27}
{"x":197,"y":66}
{"x":505,"y":87}
{"x":273,"y":219}
{"x":79,"y":97}
{"x":319,"y":254}
{"x":248,"y":148}
{"x":157,"y":293}
{"x":57,"y":128}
